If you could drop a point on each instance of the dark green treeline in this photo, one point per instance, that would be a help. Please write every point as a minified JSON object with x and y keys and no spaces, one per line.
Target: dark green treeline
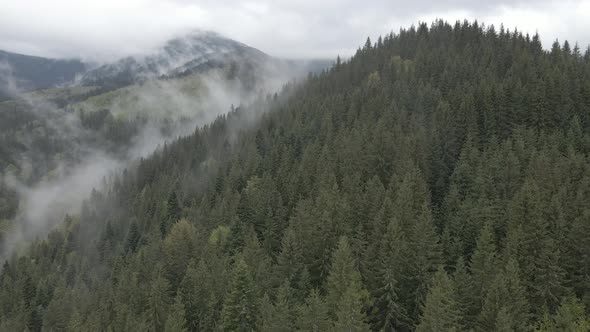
{"x":437,"y":181}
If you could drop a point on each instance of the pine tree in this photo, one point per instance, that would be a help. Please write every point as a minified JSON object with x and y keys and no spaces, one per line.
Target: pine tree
{"x":172,"y":207}
{"x":176,"y":321}
{"x":57,"y":315}
{"x":441,"y":311}
{"x":240,"y":305}
{"x":424,"y":257}
{"x":388,"y":312}
{"x":313,"y":314}
{"x":75,"y":323}
{"x":504,"y":322}
{"x":158,"y":301}
{"x":193,"y":295}
{"x":571,"y":316}
{"x":579,"y":254}
{"x":349,"y":315}
{"x":483,"y":265}
{"x":178,"y":249}
{"x":466,"y":300}
{"x":537,"y":254}
{"x":291,"y":265}
{"x":505,"y":302}
{"x":172,"y":213}
{"x":132,"y":237}
{"x":276,"y":317}
{"x":28,"y":291}
{"x":346,"y":296}
{"x":372,"y":262}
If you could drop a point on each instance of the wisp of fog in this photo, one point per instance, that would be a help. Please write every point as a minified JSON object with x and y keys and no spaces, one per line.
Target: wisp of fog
{"x":186,"y":103}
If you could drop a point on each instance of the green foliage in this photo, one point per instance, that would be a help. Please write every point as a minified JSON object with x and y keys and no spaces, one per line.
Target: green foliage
{"x":346,"y":296}
{"x":240,"y":307}
{"x":277,"y":316}
{"x":219,"y":236}
{"x":133,"y":237}
{"x":197,"y":291}
{"x":446,"y":145}
{"x":570,"y":316}
{"x":158,"y":302}
{"x":313,"y":314}
{"x":178,"y":250}
{"x":505,"y":306}
{"x":176,"y":321}
{"x":483,"y":265}
{"x":389,"y":312}
{"x":441,"y":310}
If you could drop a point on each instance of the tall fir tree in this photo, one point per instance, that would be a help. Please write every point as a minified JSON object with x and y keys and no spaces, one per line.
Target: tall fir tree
{"x":346,"y":296}
{"x":313,"y":314}
{"x":240,"y":307}
{"x":441,"y":311}
{"x":176,"y":321}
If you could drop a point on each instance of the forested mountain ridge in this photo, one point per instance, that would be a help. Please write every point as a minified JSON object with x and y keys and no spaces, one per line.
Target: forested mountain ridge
{"x":436,"y":181}
{"x":51,"y":136}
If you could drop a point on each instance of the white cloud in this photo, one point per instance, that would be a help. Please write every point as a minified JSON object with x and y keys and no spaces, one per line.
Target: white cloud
{"x":112,"y":28}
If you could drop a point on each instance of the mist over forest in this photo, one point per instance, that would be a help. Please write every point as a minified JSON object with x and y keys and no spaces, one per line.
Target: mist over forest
{"x":434,"y":177}
{"x":64,"y":142}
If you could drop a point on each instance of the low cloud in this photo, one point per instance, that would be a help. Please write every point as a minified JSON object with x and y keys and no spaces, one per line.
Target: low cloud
{"x":166,"y":109}
{"x":110,"y":29}
{"x":8,"y":84}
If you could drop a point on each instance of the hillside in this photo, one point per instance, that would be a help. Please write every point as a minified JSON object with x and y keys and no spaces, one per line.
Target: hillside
{"x":436,"y":181}
{"x":196,"y":52}
{"x":56,"y":144}
{"x":20,"y":72}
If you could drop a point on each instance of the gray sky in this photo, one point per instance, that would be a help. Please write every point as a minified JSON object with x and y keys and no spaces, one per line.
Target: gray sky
{"x":107,"y":29}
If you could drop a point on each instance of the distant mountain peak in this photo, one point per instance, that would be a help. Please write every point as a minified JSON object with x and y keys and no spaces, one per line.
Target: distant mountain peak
{"x":191,"y":52}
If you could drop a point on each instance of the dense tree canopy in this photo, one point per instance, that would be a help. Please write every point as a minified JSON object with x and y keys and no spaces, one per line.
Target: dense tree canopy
{"x":438,"y":180}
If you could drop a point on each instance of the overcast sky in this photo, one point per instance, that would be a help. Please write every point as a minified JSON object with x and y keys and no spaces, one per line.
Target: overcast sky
{"x":107,"y":29}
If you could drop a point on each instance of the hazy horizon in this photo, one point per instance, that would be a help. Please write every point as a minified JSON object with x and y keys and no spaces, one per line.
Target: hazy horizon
{"x":108,"y":30}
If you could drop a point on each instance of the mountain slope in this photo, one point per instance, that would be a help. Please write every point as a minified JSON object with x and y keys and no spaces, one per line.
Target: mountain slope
{"x":49,"y":134}
{"x":193,"y":53}
{"x":436,"y":181}
{"x":25,"y":73}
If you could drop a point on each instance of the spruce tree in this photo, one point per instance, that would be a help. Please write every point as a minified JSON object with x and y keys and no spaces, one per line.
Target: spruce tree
{"x":194,"y":294}
{"x":424,"y":257}
{"x":176,"y":321}
{"x":388,"y":311}
{"x":483,"y":265}
{"x":277,"y":316}
{"x":313,"y":314}
{"x":240,"y":305}
{"x":466,"y":300}
{"x":441,"y":311}
{"x":537,"y":255}
{"x":158,"y":301}
{"x":132,"y":237}
{"x":505,"y":302}
{"x":345,"y":293}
